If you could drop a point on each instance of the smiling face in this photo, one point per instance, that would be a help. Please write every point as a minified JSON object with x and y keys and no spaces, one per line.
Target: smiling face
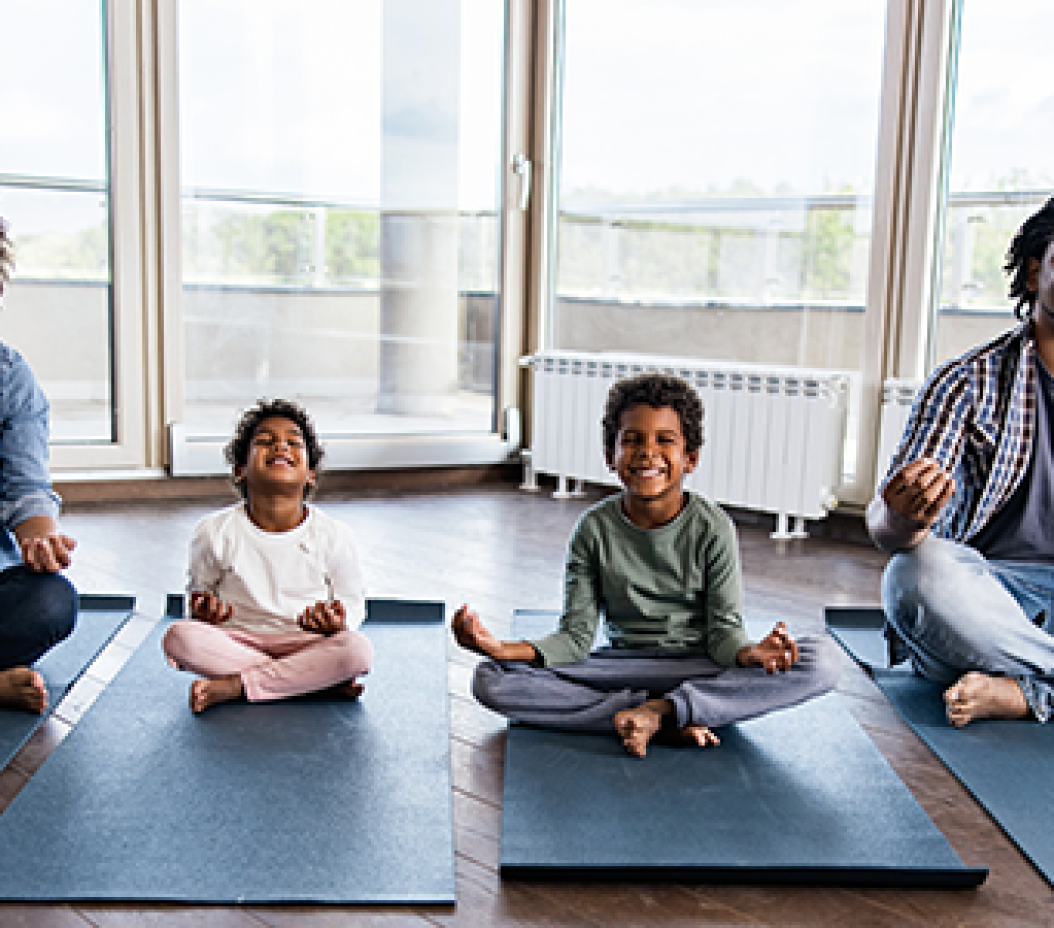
{"x":651,"y":461}
{"x":278,"y":458}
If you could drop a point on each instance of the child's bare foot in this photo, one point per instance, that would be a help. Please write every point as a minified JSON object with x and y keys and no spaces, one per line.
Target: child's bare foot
{"x":205,"y":693}
{"x":700,"y":735}
{"x":22,"y":688}
{"x":978,"y":696}
{"x":349,"y":689}
{"x":636,"y":727}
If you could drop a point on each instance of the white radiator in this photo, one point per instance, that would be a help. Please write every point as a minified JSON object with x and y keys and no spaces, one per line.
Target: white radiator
{"x":773,"y":436}
{"x":897,"y":397}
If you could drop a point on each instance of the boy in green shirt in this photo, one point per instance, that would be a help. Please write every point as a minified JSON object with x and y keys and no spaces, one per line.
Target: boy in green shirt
{"x":662,"y":566}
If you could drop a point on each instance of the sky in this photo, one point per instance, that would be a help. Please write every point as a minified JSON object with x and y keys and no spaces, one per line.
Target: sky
{"x":660,"y":94}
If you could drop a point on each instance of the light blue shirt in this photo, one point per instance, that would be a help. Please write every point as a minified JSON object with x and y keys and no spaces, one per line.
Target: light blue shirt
{"x":25,"y":486}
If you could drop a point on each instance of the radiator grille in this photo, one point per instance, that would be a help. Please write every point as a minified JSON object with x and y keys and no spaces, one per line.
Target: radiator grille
{"x":773,"y":436}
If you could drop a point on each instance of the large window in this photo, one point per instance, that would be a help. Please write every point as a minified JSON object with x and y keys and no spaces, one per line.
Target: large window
{"x":54,"y":192}
{"x":340,"y":175}
{"x":1000,"y":169}
{"x":716,"y":175}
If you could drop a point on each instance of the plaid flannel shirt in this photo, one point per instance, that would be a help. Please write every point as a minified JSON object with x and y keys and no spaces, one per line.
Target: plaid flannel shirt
{"x":976,"y":417}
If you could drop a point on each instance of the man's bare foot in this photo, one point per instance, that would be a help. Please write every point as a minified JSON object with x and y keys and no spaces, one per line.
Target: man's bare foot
{"x":205,"y":693}
{"x":636,"y":727}
{"x":700,"y":735}
{"x":23,"y":688}
{"x":978,"y":696}
{"x":349,"y":689}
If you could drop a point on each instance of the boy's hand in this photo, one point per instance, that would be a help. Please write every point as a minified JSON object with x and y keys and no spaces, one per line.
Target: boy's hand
{"x":323,"y":618}
{"x":208,"y":607}
{"x":472,"y":634}
{"x":776,"y":651}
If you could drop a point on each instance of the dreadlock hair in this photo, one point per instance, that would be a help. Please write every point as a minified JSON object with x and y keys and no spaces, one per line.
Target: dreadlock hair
{"x":656,"y":391}
{"x":236,"y":453}
{"x":1030,"y":242}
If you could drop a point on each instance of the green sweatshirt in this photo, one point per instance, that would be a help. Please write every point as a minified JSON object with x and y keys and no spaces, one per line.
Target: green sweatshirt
{"x":675,"y":588}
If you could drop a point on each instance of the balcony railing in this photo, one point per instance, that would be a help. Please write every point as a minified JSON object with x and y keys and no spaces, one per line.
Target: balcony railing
{"x":790,"y":252}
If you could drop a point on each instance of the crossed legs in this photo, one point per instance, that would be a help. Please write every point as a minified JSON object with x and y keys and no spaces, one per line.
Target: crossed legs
{"x":265,"y":667}
{"x":37,"y":611}
{"x":970,"y":623}
{"x":637,"y":694}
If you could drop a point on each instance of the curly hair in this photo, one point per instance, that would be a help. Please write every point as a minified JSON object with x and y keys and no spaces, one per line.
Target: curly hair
{"x":657,"y":391}
{"x":236,"y":452}
{"x":1030,"y":242}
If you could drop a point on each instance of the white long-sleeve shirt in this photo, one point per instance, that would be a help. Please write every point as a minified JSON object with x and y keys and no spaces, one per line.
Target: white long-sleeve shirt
{"x":272,"y":577}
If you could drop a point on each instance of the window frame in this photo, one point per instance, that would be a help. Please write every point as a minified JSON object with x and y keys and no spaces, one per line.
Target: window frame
{"x":127,"y":452}
{"x":904,"y":217}
{"x":200,"y":454}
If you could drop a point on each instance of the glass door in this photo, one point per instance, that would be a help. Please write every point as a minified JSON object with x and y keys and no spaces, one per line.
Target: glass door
{"x":55,"y":196}
{"x":340,"y":208}
{"x":716,"y":181}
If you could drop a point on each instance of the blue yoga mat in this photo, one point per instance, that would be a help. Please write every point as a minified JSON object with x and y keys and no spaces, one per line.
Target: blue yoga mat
{"x":1002,"y":764}
{"x":798,"y":796}
{"x":302,"y":801}
{"x":99,"y":618}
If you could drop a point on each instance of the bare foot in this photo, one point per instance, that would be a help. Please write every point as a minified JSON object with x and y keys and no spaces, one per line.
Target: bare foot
{"x":22,"y":688}
{"x":205,"y":693}
{"x":700,"y":735}
{"x":636,"y":727}
{"x":978,"y":696}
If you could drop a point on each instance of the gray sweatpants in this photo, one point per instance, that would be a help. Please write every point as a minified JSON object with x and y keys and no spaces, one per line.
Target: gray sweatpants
{"x":586,"y":696}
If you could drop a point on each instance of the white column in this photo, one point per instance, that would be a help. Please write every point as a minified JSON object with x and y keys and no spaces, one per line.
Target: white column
{"x":419,"y":198}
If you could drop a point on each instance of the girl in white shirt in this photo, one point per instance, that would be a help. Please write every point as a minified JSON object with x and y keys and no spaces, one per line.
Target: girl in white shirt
{"x":275,"y":595}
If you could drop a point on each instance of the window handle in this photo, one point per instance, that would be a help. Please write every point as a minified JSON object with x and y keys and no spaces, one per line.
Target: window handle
{"x":521,"y":165}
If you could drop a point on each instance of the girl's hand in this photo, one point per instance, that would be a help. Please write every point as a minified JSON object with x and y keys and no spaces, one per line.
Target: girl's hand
{"x":777,"y":651}
{"x":208,"y":607}
{"x":323,"y":618}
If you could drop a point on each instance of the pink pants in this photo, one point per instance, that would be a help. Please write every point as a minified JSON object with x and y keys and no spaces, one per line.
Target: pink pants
{"x":272,"y":666}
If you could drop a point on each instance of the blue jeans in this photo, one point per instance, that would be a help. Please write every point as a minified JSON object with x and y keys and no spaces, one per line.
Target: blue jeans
{"x":37,"y":611}
{"x":957,"y":611}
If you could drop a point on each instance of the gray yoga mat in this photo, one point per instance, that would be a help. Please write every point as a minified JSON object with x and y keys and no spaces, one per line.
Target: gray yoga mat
{"x":99,"y":618}
{"x":1002,"y":764}
{"x":800,"y":796}
{"x":303,"y":801}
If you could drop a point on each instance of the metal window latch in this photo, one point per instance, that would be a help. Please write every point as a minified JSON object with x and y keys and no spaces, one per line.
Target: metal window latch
{"x":521,"y":165}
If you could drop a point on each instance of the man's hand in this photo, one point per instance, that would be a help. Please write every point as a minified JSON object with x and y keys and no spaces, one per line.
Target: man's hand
{"x":44,"y":548}
{"x":919,"y":491}
{"x":209,"y":608}
{"x":323,"y":618}
{"x":777,"y":651}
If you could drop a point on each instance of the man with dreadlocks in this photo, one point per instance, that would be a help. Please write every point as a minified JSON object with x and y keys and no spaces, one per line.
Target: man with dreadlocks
{"x":38,"y":606}
{"x":968,"y":509}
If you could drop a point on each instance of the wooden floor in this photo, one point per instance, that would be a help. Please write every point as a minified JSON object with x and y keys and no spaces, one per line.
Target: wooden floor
{"x":499,"y":549}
